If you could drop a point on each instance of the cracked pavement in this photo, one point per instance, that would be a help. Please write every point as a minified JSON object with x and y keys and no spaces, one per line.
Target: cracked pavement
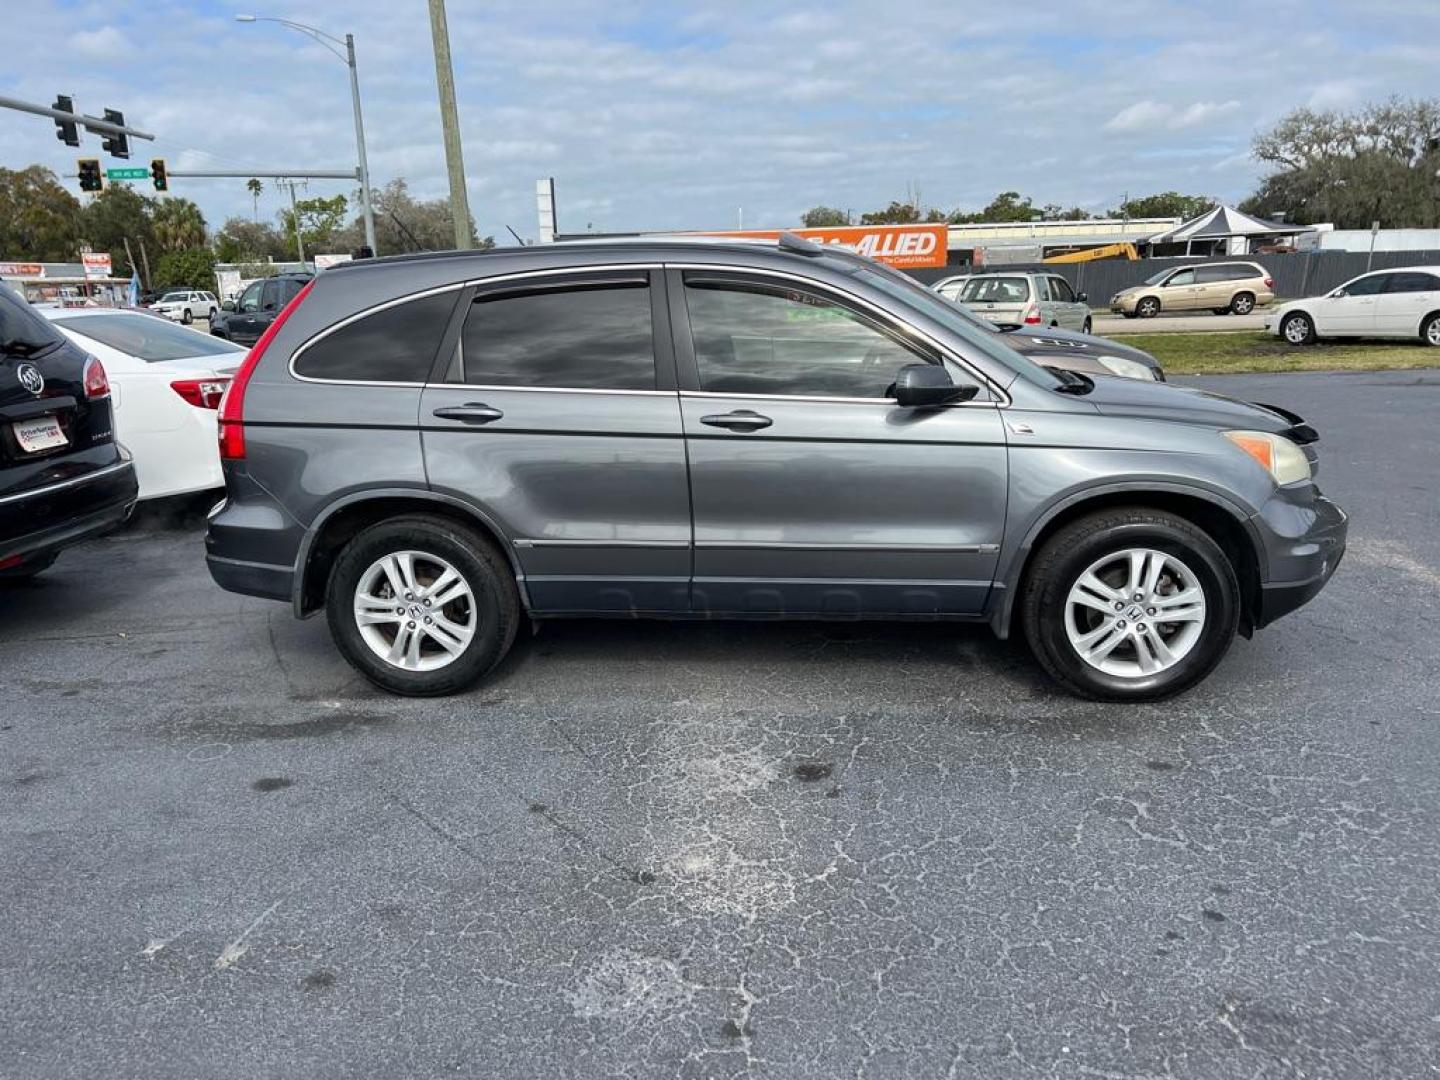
{"x":649,"y":850}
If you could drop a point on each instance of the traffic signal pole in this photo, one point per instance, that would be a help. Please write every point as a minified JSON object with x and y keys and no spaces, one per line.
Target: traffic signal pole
{"x":94,"y":124}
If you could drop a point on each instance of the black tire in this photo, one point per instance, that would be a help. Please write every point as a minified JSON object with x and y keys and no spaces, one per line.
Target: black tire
{"x":186,"y":317}
{"x":1430,"y":330}
{"x":1298,"y":320}
{"x":27,"y":570}
{"x":1074,"y":548}
{"x":1242,"y":303}
{"x":1128,"y":314}
{"x":484,"y":569}
{"x":1148,"y":307}
{"x":1086,"y":328}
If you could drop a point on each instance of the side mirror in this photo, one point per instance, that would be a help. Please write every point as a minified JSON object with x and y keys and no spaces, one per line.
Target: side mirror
{"x":228,"y":305}
{"x":1082,"y":298}
{"x":1338,"y":293}
{"x":923,"y":386}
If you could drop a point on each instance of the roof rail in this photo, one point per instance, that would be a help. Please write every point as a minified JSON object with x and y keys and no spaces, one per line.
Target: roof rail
{"x":798,"y":245}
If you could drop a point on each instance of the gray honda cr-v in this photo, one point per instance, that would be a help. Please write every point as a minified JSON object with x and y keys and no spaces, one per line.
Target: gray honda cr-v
{"x":430,"y":447}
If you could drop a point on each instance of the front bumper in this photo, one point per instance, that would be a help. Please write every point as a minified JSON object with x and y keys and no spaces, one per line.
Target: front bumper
{"x":1123,"y":305}
{"x":1304,"y":543}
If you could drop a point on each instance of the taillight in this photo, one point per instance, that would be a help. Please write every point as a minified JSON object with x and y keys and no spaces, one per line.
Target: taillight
{"x":1032,"y":315}
{"x":202,"y":393}
{"x":1269,"y":283}
{"x":231,"y":419}
{"x":97,"y":384}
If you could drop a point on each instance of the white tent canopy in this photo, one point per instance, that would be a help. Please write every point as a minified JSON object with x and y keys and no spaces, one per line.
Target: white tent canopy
{"x":1220,"y":224}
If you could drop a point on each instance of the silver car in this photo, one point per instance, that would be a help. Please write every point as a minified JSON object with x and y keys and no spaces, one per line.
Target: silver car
{"x":1026,"y":299}
{"x":430,"y":448}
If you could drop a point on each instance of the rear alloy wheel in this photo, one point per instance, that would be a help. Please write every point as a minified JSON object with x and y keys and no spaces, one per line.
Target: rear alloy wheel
{"x":1148,"y":307}
{"x":421,"y":606}
{"x":1242,"y":303}
{"x":1297,"y":329}
{"x":1130,"y":605}
{"x":1430,"y":332}
{"x":186,"y":317}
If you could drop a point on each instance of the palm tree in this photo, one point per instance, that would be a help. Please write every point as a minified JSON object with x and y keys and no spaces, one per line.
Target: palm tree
{"x":178,"y":225}
{"x":254,"y":187}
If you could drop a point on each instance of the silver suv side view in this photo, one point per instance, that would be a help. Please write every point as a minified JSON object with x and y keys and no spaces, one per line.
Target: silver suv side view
{"x":431,"y":448}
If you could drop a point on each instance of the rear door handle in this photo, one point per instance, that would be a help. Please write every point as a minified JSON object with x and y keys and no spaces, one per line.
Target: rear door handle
{"x":472,"y":412}
{"x":739,"y":420}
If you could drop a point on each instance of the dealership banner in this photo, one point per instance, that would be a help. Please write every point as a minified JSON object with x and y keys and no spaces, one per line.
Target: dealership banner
{"x":905,"y":246}
{"x":22,"y":270}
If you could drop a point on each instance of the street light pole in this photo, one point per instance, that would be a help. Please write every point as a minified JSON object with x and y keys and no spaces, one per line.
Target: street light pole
{"x":331,"y":42}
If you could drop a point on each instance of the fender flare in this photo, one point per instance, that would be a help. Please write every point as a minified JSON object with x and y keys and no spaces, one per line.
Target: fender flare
{"x":355,"y":498}
{"x":1007,"y":581}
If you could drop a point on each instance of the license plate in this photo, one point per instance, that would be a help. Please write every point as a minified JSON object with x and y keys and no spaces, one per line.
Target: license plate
{"x":42,"y":433}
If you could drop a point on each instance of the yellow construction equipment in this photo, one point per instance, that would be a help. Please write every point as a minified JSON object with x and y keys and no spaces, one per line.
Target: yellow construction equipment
{"x":1108,"y":251}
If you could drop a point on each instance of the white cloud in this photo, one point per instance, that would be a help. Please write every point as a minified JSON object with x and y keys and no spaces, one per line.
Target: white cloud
{"x":649,"y":117}
{"x":1148,"y":116}
{"x":106,"y":43}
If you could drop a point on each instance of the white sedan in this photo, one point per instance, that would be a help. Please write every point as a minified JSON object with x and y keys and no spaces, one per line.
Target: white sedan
{"x":165,"y":383}
{"x":1400,"y":303}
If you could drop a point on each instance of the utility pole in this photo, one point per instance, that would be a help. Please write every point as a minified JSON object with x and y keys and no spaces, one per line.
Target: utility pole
{"x":450,"y":122}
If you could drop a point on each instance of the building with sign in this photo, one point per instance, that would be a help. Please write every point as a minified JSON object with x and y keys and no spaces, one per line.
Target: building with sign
{"x":79,"y":283}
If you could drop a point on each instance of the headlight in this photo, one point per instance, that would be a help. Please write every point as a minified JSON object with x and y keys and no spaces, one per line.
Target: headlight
{"x":1127,"y":369}
{"x":1276,"y":454}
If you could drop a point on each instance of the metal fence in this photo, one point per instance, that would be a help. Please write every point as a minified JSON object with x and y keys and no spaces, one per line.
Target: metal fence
{"x":1297,"y":274}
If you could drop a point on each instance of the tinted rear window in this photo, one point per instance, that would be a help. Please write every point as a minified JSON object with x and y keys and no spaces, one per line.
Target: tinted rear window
{"x":395,"y":344}
{"x":22,"y":329}
{"x":148,"y":337}
{"x":589,"y":338}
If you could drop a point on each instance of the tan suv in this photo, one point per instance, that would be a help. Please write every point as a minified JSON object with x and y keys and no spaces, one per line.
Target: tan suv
{"x":1234,"y":287}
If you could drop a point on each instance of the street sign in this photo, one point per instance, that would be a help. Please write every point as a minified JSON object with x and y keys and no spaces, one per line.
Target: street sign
{"x":127,"y":174}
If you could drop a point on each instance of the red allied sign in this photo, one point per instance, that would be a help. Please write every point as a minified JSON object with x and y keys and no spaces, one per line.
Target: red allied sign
{"x":22,"y":270}
{"x":905,"y":246}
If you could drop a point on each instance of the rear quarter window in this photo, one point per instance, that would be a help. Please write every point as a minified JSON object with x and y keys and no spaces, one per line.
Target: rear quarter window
{"x":394,"y":344}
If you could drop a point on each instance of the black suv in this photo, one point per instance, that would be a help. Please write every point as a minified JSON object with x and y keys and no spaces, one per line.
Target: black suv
{"x":63,"y":477}
{"x":250,"y":314}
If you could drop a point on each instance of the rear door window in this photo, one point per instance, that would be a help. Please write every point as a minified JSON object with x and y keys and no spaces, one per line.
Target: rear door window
{"x":1411,"y":282}
{"x":395,"y":344}
{"x":585,"y":336}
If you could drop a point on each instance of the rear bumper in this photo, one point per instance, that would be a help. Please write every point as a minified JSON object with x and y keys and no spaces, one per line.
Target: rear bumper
{"x":1304,"y":544}
{"x":47,"y":519}
{"x":251,"y":578}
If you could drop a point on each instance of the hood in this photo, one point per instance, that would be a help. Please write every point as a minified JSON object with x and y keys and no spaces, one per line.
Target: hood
{"x":1038,"y":342}
{"x":1166,"y":401}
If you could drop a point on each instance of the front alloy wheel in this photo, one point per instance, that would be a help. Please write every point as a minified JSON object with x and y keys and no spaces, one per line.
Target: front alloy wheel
{"x":1135,"y":612}
{"x":1297,"y":329}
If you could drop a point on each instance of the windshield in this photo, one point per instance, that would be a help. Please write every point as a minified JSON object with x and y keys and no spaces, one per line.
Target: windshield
{"x":172,"y":295}
{"x":22,"y":330}
{"x":148,"y":337}
{"x":949,"y":315}
{"x":1155,"y":279}
{"x":996,"y":290}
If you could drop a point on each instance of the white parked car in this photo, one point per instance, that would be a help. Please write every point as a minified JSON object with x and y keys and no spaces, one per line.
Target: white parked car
{"x":1401,"y":303}
{"x":186,"y":305}
{"x":165,"y":385}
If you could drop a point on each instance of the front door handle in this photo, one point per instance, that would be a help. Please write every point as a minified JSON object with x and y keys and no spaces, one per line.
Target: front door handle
{"x":472,"y":412}
{"x":739,"y":420}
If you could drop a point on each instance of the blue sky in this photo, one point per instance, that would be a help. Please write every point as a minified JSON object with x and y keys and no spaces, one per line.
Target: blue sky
{"x":676,"y":115}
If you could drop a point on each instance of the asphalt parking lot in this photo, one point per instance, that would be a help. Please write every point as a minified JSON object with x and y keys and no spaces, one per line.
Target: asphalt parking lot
{"x":703,"y":851}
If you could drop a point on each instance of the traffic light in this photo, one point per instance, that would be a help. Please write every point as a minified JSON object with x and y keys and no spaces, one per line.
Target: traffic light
{"x":117,"y":145}
{"x":157,"y":174}
{"x":66,"y":130}
{"x":90,"y":178}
